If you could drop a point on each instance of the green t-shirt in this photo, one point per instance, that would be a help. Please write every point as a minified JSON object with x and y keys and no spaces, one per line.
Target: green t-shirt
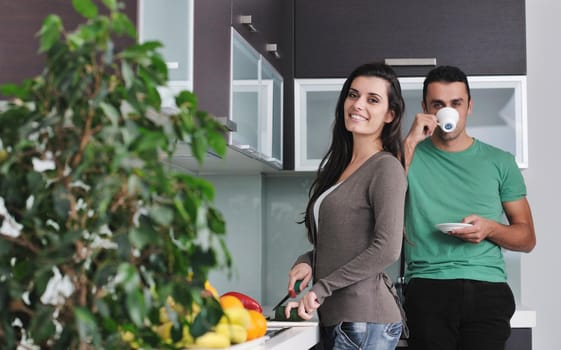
{"x":446,"y":187}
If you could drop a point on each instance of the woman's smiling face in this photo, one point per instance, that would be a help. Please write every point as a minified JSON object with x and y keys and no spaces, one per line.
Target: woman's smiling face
{"x":367,"y":106}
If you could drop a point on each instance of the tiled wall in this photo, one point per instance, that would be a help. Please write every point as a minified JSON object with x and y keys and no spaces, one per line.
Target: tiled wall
{"x":261,"y":213}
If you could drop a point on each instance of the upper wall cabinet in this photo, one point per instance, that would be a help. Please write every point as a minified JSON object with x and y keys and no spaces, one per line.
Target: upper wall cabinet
{"x":480,"y":37}
{"x":233,"y":80}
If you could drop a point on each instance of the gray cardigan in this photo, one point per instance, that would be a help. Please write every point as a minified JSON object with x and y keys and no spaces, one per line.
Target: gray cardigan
{"x":359,"y":235}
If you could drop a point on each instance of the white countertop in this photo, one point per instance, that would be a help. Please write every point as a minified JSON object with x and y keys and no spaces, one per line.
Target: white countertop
{"x":523,"y":318}
{"x":293,"y":338}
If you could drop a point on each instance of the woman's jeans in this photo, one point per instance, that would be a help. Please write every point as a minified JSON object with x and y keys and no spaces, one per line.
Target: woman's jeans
{"x":361,"y":335}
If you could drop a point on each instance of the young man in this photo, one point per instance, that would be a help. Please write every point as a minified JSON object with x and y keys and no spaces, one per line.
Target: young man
{"x":457,"y":295}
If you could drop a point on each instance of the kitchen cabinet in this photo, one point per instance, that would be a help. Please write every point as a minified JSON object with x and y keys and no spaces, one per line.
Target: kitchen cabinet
{"x":233,"y":80}
{"x":19,"y":23}
{"x":481,"y":37}
{"x":172,"y":25}
{"x":520,"y":339}
{"x":499,"y":114}
{"x":196,"y":47}
{"x":257,"y":101}
{"x":267,"y":25}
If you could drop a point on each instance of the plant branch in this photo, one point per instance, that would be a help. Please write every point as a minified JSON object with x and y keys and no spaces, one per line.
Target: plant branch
{"x":22,"y":242}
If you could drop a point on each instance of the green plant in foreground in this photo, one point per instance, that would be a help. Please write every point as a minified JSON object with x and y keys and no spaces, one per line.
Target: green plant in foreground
{"x":97,"y":232}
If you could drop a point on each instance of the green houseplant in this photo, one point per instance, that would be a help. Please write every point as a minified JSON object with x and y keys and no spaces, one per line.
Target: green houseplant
{"x":97,"y":233}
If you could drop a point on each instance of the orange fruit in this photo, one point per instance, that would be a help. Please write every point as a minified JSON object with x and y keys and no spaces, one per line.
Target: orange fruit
{"x":257,"y":325}
{"x":228,"y":301}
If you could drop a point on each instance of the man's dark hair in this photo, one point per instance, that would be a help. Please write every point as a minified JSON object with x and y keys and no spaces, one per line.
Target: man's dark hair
{"x":447,"y":74}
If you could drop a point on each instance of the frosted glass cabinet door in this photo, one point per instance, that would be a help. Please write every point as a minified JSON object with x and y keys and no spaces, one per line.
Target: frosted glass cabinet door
{"x":246,"y":95}
{"x":256,"y":103}
{"x":314,"y":101}
{"x":270,"y":78}
{"x":171,"y":23}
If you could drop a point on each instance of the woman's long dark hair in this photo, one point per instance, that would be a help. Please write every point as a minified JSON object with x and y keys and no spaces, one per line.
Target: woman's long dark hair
{"x":340,"y":152}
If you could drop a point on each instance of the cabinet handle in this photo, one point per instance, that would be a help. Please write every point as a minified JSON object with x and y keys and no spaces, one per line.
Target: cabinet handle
{"x":172,"y":65}
{"x":272,"y":49}
{"x":411,"y":61}
{"x":230,"y":125}
{"x":247,"y":20}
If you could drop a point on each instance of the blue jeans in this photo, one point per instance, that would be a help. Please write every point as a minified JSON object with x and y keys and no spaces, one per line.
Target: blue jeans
{"x":361,"y":336}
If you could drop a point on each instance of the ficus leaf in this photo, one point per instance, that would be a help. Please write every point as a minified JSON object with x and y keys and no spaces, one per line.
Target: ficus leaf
{"x":85,"y":7}
{"x":128,"y":277}
{"x":110,"y":112}
{"x":49,"y":33}
{"x":128,"y":74}
{"x":87,"y":326}
{"x":135,"y":306}
{"x":122,"y":25}
{"x":110,"y":4}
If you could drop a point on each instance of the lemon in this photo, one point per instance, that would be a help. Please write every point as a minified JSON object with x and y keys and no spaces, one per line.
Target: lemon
{"x":236,"y":315}
{"x":235,"y":332}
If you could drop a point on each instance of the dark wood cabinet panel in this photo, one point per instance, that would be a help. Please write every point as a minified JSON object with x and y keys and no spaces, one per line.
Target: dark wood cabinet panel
{"x":211,"y":56}
{"x":482,"y":37}
{"x":19,"y":23}
{"x":520,"y":339}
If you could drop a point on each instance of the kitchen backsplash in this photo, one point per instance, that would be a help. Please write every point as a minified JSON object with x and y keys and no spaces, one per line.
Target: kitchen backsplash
{"x":264,"y":238}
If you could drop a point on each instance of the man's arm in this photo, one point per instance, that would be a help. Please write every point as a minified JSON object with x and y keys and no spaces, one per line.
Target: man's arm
{"x":423,"y":127}
{"x":519,"y":235}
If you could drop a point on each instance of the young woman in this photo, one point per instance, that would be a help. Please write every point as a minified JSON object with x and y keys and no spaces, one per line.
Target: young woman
{"x":354,"y":218}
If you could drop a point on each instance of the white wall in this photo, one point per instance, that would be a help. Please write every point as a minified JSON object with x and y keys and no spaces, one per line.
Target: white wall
{"x":541,"y":283}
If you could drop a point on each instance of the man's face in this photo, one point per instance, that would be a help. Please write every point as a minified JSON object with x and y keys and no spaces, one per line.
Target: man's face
{"x":444,"y":94}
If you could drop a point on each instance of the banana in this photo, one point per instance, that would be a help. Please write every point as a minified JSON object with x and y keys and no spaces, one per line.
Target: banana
{"x":210,"y":340}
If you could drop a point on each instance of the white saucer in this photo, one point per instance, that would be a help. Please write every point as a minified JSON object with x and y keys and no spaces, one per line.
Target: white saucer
{"x":450,"y":226}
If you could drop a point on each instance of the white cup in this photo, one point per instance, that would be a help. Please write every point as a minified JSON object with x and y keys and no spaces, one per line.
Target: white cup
{"x":447,"y":118}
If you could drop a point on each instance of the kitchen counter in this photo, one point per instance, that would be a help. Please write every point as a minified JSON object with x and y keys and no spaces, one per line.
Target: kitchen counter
{"x":294,"y":338}
{"x":303,"y":337}
{"x":288,"y":336}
